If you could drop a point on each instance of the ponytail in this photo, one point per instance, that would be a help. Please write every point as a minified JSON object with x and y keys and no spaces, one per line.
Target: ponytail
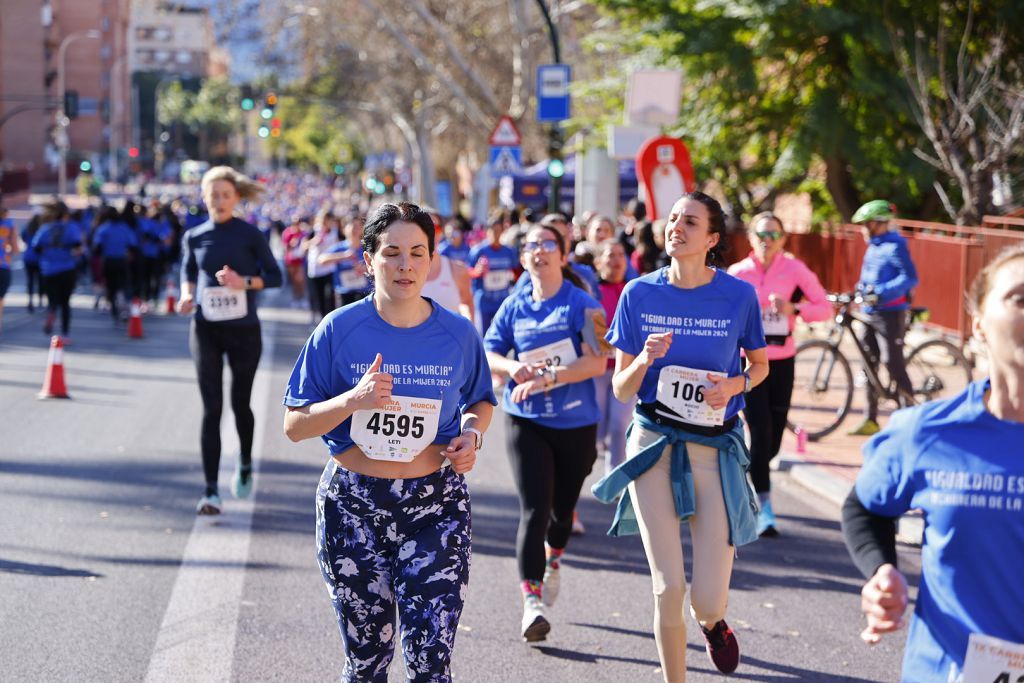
{"x":569,"y":274}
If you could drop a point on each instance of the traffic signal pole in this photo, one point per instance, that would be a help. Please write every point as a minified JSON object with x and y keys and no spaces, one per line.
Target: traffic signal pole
{"x":555,"y":133}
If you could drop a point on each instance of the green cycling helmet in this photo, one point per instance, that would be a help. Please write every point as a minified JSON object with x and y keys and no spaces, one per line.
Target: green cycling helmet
{"x":875,"y":210}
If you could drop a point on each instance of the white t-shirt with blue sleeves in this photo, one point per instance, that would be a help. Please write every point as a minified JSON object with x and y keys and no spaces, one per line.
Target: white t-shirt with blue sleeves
{"x":964,"y":468}
{"x":710,"y":324}
{"x":441,"y":359}
{"x":550,"y":329}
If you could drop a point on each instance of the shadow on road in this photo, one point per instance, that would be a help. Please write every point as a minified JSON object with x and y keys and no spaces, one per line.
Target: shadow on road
{"x":11,"y":567}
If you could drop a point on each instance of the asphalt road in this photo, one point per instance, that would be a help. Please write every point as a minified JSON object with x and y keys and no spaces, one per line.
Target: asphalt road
{"x":107,"y":575}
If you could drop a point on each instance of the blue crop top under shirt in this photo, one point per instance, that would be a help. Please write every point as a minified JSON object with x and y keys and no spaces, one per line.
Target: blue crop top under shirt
{"x":441,"y":359}
{"x":710,"y":324}
{"x":523,"y":324}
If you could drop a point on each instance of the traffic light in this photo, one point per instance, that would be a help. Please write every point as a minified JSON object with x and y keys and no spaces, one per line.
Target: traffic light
{"x":71,"y":104}
{"x":275,"y":127}
{"x":248,"y":104}
{"x":85,"y":167}
{"x":556,"y":168}
{"x":263,"y":131}
{"x":339,"y":169}
{"x":133,"y":152}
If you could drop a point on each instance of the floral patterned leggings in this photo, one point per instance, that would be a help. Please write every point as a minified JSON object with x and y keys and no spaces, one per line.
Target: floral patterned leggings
{"x":388,"y":542}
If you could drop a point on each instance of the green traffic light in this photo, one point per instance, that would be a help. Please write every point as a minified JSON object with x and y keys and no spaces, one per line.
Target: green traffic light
{"x":248,"y":104}
{"x":266,"y":113}
{"x":85,"y":166}
{"x":263,"y":132}
{"x":339,"y":169}
{"x":556,"y":168}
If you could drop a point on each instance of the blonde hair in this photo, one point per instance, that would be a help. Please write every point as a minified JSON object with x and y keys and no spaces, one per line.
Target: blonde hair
{"x":246,"y":187}
{"x":983,"y":281}
{"x":767,"y":216}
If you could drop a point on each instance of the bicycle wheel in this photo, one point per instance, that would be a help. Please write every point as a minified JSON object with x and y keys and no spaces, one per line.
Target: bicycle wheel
{"x":937,"y":369}
{"x":822,"y":389}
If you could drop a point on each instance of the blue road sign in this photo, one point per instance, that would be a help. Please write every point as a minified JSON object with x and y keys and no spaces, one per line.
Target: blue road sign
{"x":506,"y":160}
{"x":553,"y":92}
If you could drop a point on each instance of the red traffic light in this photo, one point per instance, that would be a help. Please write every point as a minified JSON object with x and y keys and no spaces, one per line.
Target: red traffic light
{"x":275,"y":123}
{"x":133,"y":152}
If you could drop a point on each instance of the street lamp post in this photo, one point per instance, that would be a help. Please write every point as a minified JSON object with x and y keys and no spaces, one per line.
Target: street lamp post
{"x":62,"y":119}
{"x":116,"y":114}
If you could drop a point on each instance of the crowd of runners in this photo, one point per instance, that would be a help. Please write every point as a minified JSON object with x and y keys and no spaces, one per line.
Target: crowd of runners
{"x":610,"y":339}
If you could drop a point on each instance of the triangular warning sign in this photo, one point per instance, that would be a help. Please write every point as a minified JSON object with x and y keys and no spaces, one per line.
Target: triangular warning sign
{"x":505,"y":134}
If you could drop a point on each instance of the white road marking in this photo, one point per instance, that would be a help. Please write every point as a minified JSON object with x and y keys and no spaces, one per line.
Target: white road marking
{"x":196,"y":641}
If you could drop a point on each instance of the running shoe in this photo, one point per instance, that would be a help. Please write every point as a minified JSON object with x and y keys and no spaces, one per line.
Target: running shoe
{"x":866,"y":428}
{"x":577,"y":526}
{"x":535,"y":625}
{"x":766,"y":522}
{"x":241,"y":484}
{"x":552,"y":583}
{"x":722,"y":648}
{"x":209,"y":505}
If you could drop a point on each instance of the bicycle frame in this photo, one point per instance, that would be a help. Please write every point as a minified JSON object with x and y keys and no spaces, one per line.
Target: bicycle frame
{"x":844,"y":319}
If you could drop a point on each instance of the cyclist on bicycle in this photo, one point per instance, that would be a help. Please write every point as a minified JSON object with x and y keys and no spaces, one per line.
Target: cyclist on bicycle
{"x":886,"y":278}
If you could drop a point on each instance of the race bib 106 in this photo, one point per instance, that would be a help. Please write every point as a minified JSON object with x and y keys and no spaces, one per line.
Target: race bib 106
{"x":497,"y":280}
{"x":775,"y":324}
{"x":224,"y":303}
{"x":399,"y":431}
{"x":992,"y":660}
{"x":559,"y":353}
{"x":681,"y":390}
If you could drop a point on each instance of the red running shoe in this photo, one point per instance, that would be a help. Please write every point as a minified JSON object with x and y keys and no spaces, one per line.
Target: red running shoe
{"x":722,"y":648}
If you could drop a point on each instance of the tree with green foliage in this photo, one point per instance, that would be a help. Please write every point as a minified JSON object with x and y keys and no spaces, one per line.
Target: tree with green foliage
{"x":782,"y":96}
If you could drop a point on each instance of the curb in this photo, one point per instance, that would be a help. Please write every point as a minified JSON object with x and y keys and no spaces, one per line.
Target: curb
{"x":834,"y":489}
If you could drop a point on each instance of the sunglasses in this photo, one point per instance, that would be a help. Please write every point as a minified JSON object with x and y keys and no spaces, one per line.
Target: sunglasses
{"x":543,"y":245}
{"x":768,"y":234}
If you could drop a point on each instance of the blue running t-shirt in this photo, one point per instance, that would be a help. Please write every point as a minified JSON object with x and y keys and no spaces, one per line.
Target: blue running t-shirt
{"x":490,"y":289}
{"x":710,"y":324}
{"x":441,"y":360}
{"x":959,"y":464}
{"x":113,"y":239}
{"x":549,"y":329}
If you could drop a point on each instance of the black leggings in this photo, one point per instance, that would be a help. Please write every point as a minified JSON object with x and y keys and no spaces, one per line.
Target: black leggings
{"x":115,"y":275}
{"x":243,"y":344}
{"x":766,"y":411}
{"x":152,"y":269}
{"x":549,"y":466}
{"x":321,"y":294}
{"x":58,"y":295}
{"x":34,"y":282}
{"x":892,"y":327}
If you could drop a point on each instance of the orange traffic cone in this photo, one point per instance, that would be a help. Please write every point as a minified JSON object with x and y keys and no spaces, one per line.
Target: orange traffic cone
{"x":53,"y":383}
{"x":135,"y":321}
{"x":172,"y":297}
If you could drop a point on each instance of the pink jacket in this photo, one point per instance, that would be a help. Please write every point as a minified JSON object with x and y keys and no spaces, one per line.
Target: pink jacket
{"x":782,"y":278}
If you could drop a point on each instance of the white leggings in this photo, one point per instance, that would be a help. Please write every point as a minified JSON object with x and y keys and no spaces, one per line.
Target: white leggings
{"x":651,"y":494}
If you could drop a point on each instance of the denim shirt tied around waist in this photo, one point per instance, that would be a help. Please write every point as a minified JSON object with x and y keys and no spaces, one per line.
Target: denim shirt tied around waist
{"x":733,"y":462}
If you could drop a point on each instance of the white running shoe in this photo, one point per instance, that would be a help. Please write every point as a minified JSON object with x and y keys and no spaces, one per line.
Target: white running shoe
{"x":577,"y":525}
{"x":552,"y":582}
{"x":535,"y":625}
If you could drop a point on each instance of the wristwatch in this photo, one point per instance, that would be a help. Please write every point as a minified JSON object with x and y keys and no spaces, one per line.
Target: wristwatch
{"x":746,"y":382}
{"x":479,"y":436}
{"x":248,"y":281}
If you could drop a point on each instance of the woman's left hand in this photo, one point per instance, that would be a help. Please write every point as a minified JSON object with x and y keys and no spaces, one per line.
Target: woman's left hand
{"x":722,"y":389}
{"x":227,"y":277}
{"x":461,"y":452}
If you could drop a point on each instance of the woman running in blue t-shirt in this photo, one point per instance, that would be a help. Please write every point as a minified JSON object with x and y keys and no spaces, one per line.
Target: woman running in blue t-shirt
{"x":400,"y":391}
{"x":960,"y":462}
{"x":679,"y":331}
{"x":553,"y":327}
